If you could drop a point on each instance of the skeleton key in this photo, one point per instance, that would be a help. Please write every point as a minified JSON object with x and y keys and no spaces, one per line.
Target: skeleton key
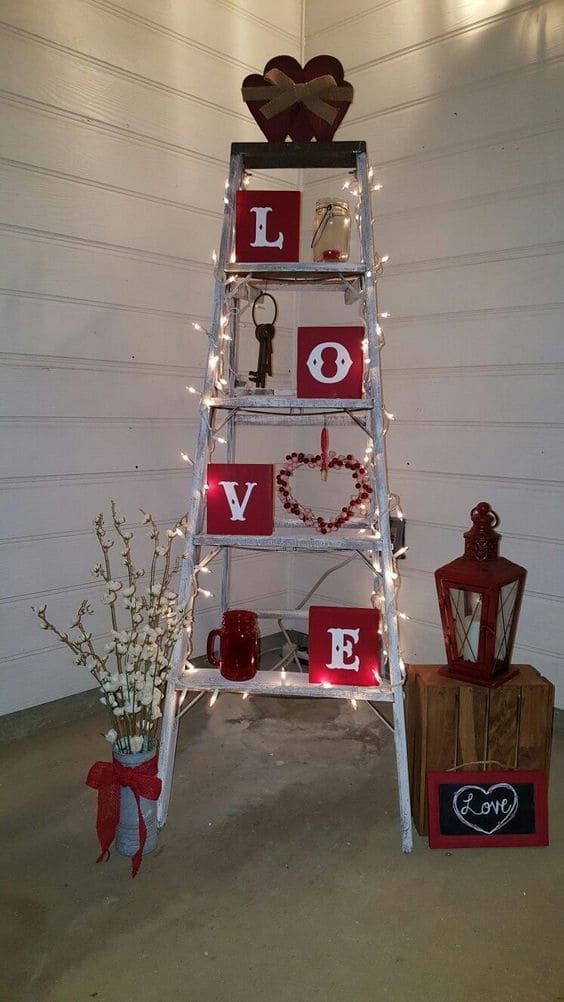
{"x":264,"y":334}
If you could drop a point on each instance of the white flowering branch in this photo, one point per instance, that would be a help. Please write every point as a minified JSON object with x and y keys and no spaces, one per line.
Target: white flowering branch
{"x":134,"y":691}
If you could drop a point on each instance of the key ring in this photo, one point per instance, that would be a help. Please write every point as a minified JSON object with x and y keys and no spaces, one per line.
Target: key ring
{"x":263,"y":295}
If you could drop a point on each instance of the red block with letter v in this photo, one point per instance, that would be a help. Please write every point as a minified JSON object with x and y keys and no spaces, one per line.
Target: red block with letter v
{"x":240,"y":499}
{"x":267,"y":226}
{"x":344,"y":645}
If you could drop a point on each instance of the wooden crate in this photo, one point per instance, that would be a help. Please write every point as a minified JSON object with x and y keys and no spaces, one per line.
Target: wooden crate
{"x":456,"y":724}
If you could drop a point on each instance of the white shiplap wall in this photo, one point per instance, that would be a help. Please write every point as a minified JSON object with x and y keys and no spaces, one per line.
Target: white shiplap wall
{"x":116,"y":123}
{"x":461,"y":105}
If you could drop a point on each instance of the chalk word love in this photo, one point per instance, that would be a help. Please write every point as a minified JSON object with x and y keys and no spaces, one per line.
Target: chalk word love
{"x":486,"y":811}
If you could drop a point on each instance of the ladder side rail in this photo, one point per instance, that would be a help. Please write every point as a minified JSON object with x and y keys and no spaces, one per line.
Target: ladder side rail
{"x":231,"y":435}
{"x":379,"y":454}
{"x":187,"y":586}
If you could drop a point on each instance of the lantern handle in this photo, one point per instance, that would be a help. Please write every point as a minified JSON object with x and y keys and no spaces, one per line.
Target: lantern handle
{"x":483,"y":509}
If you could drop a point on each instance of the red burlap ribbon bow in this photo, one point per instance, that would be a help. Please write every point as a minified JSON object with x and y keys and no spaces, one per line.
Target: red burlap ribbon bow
{"x":107,"y":778}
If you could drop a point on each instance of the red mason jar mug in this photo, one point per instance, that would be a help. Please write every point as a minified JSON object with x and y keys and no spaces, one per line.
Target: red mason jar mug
{"x":238,"y":645}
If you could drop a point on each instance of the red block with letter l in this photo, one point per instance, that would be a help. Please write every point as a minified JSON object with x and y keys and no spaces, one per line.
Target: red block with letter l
{"x":344,"y":645}
{"x":240,"y":499}
{"x":330,"y":362}
{"x":267,"y":226}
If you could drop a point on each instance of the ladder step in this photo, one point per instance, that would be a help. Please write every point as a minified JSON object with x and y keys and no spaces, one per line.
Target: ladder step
{"x":331,"y":420}
{"x":277,"y":683}
{"x":282,"y":613}
{"x":322,"y":271}
{"x":226,"y":402}
{"x":331,"y":541}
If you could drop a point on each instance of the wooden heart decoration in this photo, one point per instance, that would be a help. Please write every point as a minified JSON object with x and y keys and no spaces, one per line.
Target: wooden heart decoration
{"x":357,"y":503}
{"x":277,"y":126}
{"x":305,"y":103}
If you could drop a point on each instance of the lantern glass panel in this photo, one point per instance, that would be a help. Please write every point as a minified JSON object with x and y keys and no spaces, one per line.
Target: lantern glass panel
{"x":505,"y":612}
{"x":466,"y":613}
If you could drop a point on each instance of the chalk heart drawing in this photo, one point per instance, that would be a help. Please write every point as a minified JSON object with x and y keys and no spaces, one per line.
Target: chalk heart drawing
{"x":486,"y":811}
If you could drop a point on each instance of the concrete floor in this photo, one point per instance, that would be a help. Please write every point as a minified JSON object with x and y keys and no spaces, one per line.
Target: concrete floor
{"x":277,"y":878}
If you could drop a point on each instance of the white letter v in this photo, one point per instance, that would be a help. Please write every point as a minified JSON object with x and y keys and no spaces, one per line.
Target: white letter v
{"x":237,"y":507}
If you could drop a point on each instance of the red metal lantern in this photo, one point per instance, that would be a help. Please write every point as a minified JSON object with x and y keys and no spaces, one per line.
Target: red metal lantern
{"x":479,"y":599}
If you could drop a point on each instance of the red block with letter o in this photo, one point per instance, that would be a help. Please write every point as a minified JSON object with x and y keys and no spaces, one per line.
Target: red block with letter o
{"x":240,"y":499}
{"x":344,"y":645}
{"x":267,"y":226}
{"x":330,"y":362}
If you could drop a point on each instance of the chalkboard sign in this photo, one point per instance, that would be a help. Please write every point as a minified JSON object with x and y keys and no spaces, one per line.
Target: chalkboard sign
{"x":487,"y":808}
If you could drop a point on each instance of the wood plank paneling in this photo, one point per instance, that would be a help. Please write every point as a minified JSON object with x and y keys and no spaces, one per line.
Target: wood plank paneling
{"x":117,"y":123}
{"x":503,"y":726}
{"x":459,"y":104}
{"x":472,"y":711}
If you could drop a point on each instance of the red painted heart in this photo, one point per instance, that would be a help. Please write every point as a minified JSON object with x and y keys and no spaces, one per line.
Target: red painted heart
{"x":302,"y":102}
{"x":356,"y":505}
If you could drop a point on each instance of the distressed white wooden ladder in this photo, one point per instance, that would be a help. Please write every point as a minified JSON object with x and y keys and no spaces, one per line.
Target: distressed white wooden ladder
{"x":221,"y":406}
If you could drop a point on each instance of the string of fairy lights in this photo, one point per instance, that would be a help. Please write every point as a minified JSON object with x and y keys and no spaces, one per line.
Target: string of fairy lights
{"x":217,"y":378}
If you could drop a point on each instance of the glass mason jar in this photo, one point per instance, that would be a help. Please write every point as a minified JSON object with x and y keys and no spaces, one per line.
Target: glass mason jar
{"x":331,"y":230}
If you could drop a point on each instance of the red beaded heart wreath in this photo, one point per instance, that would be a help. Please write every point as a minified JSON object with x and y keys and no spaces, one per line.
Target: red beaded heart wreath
{"x":363,"y":490}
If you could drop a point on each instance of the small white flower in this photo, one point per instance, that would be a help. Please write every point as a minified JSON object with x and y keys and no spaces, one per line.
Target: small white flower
{"x":160,"y":551}
{"x":118,"y":711}
{"x":43,"y":625}
{"x":127,"y":535}
{"x":136,"y":743}
{"x":91,"y":662}
{"x":109,"y":647}
{"x":108,"y":597}
{"x":114,"y":585}
{"x":111,"y":735}
{"x":137,"y":618}
{"x":129,"y":591}
{"x":156,"y":713}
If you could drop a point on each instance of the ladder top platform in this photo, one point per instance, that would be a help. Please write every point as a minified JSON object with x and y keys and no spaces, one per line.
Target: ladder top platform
{"x":288,"y":155}
{"x":277,"y":683}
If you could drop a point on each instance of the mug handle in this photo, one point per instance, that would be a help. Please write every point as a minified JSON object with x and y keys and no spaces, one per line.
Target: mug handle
{"x":209,"y":648}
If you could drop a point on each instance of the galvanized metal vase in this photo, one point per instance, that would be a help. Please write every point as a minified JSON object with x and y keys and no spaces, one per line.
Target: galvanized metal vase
{"x":127,"y":831}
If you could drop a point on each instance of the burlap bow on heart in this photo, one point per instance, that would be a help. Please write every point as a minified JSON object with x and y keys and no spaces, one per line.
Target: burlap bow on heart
{"x":283,"y":93}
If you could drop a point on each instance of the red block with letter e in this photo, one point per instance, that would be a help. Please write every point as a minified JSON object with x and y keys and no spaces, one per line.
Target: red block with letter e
{"x":344,"y":645}
{"x":330,"y":362}
{"x":240,"y":499}
{"x":267,"y":226}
